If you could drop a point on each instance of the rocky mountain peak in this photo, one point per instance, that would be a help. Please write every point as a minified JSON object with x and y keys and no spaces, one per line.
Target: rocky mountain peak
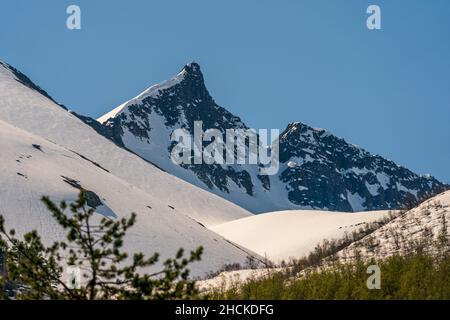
{"x":193,"y":69}
{"x":317,"y":169}
{"x":192,"y":83}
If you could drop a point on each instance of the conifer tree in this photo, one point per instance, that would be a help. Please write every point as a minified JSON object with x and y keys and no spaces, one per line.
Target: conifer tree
{"x":95,"y":247}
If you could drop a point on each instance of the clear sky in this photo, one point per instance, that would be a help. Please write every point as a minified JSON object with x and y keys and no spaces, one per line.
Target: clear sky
{"x":269,"y":62}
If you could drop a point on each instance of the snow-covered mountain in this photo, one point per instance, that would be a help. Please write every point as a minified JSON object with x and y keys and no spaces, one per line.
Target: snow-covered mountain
{"x":46,"y":150}
{"x":27,"y":109}
{"x":124,"y":162}
{"x":317,"y":169}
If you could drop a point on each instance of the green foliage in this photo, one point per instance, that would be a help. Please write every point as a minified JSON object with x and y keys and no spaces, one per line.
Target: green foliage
{"x":421,"y":272}
{"x":95,"y":247}
{"x":415,"y":276}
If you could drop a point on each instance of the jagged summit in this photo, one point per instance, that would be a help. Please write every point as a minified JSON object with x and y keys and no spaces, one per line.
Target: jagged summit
{"x":291,"y":127}
{"x":190,"y":72}
{"x":188,"y":84}
{"x":193,"y":68}
{"x":193,"y":80}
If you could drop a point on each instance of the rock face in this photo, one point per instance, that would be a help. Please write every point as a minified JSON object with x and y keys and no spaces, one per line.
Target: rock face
{"x":425,"y":227}
{"x":317,"y":169}
{"x":331,"y":173}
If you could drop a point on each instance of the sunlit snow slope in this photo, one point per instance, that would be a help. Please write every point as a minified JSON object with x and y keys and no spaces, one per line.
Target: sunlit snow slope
{"x":45,"y":150}
{"x":293,"y":234}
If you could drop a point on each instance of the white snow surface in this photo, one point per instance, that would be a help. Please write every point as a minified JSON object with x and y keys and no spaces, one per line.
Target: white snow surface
{"x":28,"y":173}
{"x":125,"y":182}
{"x":284,"y":235}
{"x":233,"y":279}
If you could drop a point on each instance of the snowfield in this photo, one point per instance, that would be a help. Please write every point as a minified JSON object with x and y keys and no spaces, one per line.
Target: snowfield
{"x":230,"y":279}
{"x":32,"y":167}
{"x":284,"y":235}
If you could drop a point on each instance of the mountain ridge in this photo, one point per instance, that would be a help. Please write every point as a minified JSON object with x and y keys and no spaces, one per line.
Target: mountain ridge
{"x":360,"y":180}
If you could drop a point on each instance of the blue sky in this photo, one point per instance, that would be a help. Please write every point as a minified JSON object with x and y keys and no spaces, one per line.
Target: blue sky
{"x":269,"y":62}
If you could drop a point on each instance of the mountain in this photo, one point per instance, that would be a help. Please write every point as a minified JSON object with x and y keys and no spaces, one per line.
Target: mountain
{"x":325,"y":171}
{"x":47,"y":150}
{"x":421,"y":227}
{"x":23,"y":79}
{"x":317,"y":169}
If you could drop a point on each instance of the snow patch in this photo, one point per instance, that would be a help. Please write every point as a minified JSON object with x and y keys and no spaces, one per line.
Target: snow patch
{"x":356,"y":201}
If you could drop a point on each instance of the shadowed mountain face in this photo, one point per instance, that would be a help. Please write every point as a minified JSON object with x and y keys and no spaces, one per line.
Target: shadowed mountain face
{"x":317,"y":169}
{"x":343,"y":176}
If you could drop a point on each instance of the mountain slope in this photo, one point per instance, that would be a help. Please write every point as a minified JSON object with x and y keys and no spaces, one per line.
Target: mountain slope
{"x":293,"y":234}
{"x":317,"y":170}
{"x":48,"y":151}
{"x":420,"y":227}
{"x":326,"y":171}
{"x":32,"y":167}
